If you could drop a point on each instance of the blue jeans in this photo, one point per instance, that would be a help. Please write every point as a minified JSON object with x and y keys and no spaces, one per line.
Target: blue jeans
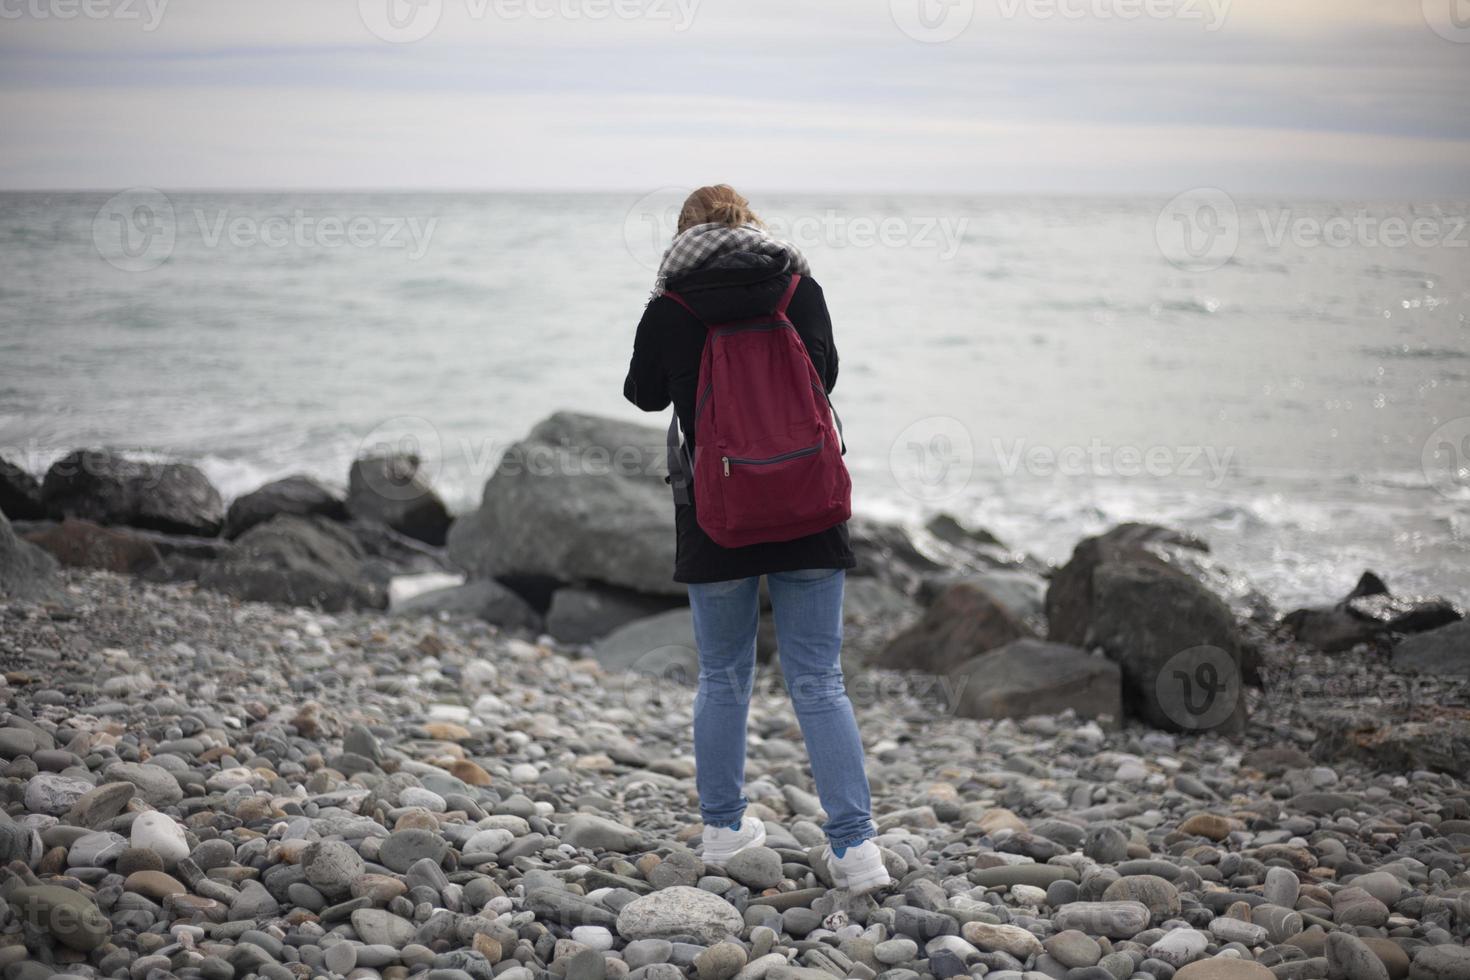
{"x":808,"y":610}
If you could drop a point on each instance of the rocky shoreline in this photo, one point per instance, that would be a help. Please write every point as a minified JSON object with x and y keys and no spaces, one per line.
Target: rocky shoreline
{"x":247,"y":741}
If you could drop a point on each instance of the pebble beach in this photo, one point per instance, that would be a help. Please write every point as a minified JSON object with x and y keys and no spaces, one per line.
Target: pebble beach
{"x":200,"y":787}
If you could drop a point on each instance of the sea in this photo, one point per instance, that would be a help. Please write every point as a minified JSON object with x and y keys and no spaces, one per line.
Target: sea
{"x":1289,"y":380}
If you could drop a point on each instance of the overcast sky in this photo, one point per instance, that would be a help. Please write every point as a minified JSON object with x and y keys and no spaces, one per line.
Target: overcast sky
{"x":1330,"y":98}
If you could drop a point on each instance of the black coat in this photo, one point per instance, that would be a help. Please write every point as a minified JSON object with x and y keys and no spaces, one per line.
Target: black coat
{"x":666,"y":356}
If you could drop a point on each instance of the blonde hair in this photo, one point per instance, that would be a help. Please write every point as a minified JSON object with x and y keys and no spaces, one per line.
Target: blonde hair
{"x":718,"y":204}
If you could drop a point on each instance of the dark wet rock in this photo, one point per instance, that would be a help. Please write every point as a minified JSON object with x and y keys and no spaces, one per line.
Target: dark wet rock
{"x":20,"y":493}
{"x":1144,"y":619}
{"x":298,"y":561}
{"x":1333,"y":629}
{"x":1072,"y":600}
{"x":950,"y":530}
{"x":1367,"y":615}
{"x":391,"y":490}
{"x":1031,"y":677}
{"x":301,"y":495}
{"x":390,"y":554}
{"x":1406,"y":614}
{"x":82,"y":544}
{"x":105,"y":487}
{"x":963,"y":622}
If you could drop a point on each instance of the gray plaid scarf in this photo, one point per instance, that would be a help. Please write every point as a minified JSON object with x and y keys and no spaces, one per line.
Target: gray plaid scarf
{"x":701,"y":243}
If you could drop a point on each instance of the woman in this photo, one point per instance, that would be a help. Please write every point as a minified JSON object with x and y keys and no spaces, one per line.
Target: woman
{"x":722,"y":267}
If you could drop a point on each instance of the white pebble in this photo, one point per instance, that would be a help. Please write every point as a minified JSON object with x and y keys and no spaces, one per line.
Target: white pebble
{"x":593,"y":937}
{"x":159,"y":834}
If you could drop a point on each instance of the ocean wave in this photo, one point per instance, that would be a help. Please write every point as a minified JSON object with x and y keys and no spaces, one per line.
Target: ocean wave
{"x":1407,"y":352}
{"x":1207,"y":305}
{"x":443,"y":287}
{"x":1389,"y":272}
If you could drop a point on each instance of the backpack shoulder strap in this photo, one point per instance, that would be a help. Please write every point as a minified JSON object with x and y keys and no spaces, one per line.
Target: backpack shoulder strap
{"x":790,"y":292}
{"x":682,"y":302}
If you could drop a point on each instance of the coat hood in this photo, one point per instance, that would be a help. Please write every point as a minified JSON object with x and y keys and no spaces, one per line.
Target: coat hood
{"x":734,"y":285}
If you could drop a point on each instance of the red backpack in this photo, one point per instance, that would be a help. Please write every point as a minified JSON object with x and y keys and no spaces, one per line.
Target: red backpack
{"x":767,"y":443}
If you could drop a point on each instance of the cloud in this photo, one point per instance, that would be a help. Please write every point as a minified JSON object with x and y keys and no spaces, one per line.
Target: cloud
{"x":1350,"y":97}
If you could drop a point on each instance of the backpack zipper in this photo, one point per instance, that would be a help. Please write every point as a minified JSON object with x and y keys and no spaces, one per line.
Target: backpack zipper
{"x":794,"y":454}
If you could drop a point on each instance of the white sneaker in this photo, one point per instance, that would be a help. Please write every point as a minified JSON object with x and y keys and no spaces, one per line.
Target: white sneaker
{"x":860,"y":869}
{"x":723,"y":843}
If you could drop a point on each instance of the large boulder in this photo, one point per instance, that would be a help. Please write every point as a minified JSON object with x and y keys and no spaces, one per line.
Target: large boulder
{"x":581,"y":499}
{"x":1021,"y":592}
{"x":952,"y":531}
{"x":1184,"y":658}
{"x":1369,"y":614}
{"x":1332,"y":629}
{"x":1033,"y":677}
{"x":104,"y":487}
{"x":873,"y":613}
{"x":300,"y":495}
{"x":82,"y":544}
{"x":963,"y":622}
{"x":891,"y":554}
{"x":1071,"y":596}
{"x":659,"y":647}
{"x":26,"y":572}
{"x":581,"y":614}
{"x":20,"y":494}
{"x":1443,"y":651}
{"x":297,"y":561}
{"x":390,"y":554}
{"x":483,"y":599}
{"x":392,"y":491}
